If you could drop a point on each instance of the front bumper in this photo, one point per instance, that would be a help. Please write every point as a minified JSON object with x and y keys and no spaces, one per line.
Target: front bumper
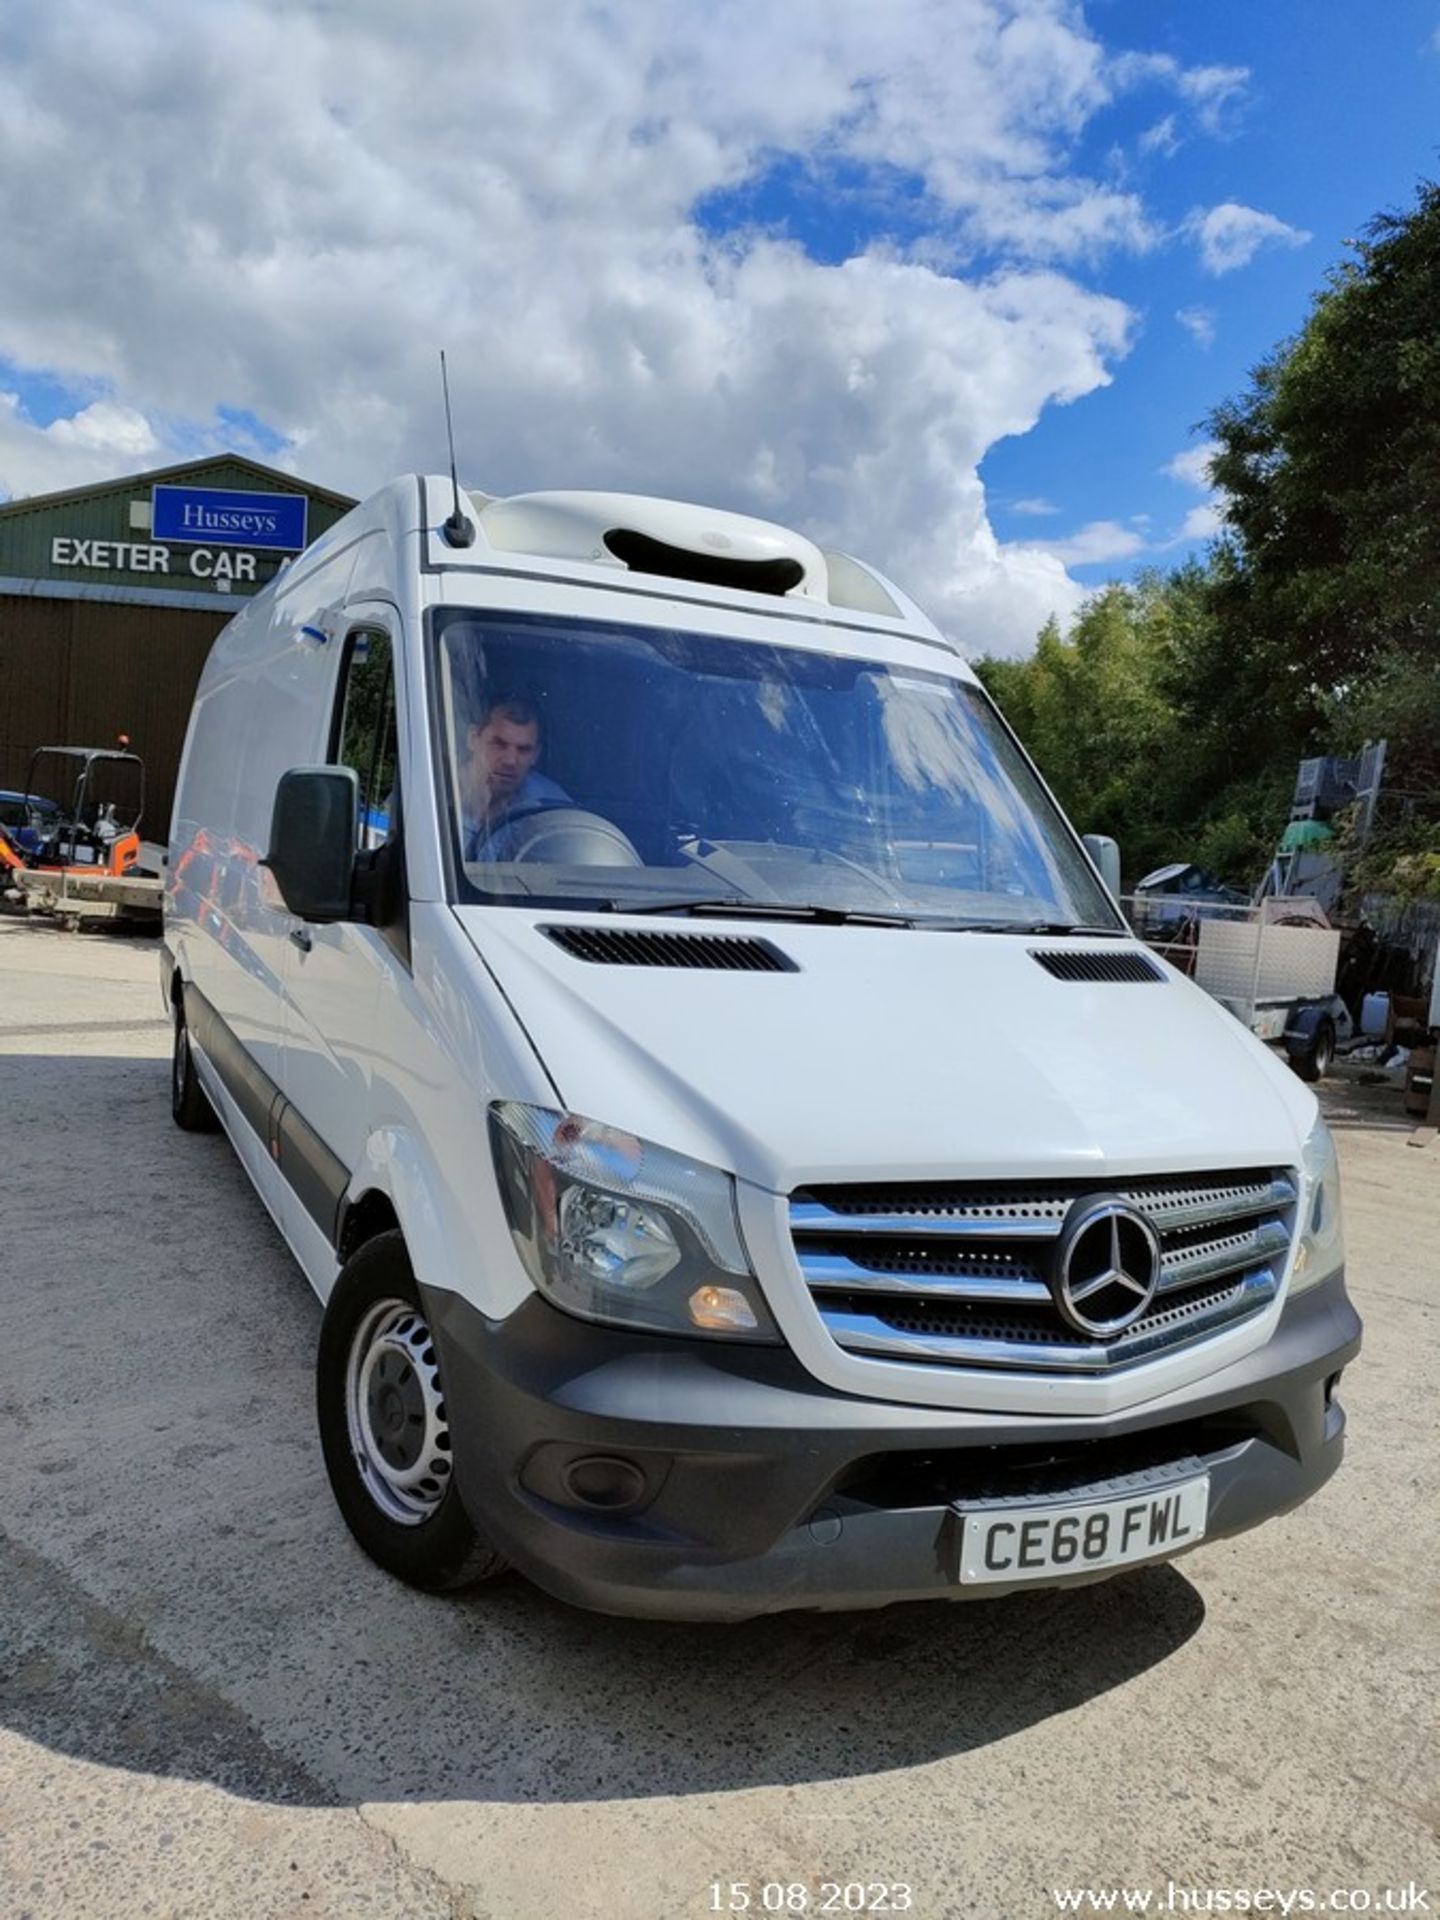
{"x":754,"y":1488}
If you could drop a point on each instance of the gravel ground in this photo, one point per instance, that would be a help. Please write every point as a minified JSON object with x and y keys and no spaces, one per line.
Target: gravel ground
{"x":212,"y":1705}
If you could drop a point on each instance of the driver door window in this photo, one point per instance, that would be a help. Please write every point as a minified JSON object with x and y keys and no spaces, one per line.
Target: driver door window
{"x":365,"y":733}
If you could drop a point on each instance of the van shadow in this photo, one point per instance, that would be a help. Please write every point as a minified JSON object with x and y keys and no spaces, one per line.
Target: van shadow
{"x":179,"y":1597}
{"x":512,"y":1698}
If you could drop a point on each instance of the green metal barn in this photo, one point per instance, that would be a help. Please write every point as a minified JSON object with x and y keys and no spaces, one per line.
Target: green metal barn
{"x":110,"y":596}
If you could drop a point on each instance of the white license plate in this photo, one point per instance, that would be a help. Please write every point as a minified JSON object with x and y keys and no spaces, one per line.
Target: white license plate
{"x":1002,"y":1545}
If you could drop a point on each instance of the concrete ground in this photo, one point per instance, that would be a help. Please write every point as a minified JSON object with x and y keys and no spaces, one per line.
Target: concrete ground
{"x":212,"y":1705}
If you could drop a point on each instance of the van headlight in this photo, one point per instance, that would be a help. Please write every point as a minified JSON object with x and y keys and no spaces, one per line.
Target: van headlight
{"x":1322,"y":1227}
{"x":616,"y":1229}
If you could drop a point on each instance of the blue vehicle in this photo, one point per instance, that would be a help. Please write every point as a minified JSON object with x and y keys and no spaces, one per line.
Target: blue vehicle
{"x":27,"y":819}
{"x":1172,"y":898}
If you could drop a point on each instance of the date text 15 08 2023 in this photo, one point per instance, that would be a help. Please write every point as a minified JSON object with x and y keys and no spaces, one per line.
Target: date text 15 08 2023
{"x":799,"y":1896}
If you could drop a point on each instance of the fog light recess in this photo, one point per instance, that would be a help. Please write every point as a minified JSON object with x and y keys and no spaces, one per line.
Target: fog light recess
{"x":603,"y":1481}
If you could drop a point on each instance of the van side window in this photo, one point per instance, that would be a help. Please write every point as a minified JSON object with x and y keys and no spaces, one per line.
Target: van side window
{"x":365,"y":734}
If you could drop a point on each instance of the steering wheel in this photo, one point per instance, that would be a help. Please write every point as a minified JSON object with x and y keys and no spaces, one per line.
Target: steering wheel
{"x":561,"y":834}
{"x":512,"y":815}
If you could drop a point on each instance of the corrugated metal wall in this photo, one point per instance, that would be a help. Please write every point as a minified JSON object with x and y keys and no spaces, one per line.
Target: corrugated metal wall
{"x":76,"y":673}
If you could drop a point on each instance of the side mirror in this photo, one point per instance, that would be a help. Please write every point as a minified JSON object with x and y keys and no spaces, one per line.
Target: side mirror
{"x":1106,"y":855}
{"x":312,"y":841}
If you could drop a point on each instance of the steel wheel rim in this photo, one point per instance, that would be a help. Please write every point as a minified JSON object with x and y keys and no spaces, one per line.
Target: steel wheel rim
{"x":395,"y":1412}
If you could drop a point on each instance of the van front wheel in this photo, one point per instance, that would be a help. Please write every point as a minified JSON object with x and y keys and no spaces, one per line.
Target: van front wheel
{"x":384,"y":1428}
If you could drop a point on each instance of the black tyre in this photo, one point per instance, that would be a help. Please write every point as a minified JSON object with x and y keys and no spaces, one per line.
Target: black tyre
{"x":1318,"y":1058}
{"x":384,"y":1429}
{"x":189,"y":1106}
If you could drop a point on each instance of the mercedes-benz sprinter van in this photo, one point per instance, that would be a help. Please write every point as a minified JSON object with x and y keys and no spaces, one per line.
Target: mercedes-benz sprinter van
{"x":745,"y":1157}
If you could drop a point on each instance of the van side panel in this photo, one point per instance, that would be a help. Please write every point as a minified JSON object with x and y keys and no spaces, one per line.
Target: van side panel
{"x":262,"y":707}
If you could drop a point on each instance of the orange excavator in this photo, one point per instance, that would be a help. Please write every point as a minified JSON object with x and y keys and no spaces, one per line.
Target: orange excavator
{"x":91,"y":832}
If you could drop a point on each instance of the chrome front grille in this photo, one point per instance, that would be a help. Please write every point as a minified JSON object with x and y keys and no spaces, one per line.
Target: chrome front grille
{"x":959,"y":1274}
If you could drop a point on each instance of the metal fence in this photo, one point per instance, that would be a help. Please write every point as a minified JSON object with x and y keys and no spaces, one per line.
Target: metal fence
{"x":1411,"y":924}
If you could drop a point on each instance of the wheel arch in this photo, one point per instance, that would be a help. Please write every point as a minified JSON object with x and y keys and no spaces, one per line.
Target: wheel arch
{"x":364,"y":1217}
{"x":1305,"y":1022}
{"x":391,"y":1190}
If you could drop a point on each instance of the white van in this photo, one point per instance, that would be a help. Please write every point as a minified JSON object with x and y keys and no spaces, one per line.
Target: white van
{"x":746,"y":1159}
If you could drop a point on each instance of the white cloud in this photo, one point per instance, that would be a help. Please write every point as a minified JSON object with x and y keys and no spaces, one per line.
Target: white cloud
{"x":1191,"y":466}
{"x":285,"y":208}
{"x":1062,"y":220}
{"x":1202,"y":522}
{"x":92,"y":444}
{"x":1036,"y":505}
{"x":1199,"y":323}
{"x":1102,"y":542}
{"x":107,"y":429}
{"x":1162,"y":138}
{"x":1092,"y":545}
{"x":1230,"y":236}
{"x":1211,"y":92}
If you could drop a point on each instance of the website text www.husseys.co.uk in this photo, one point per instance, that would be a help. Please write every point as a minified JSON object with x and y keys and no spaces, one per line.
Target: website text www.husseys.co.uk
{"x":1173,"y":1898}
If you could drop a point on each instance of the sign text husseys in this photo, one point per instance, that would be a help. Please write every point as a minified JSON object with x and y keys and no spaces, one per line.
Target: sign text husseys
{"x":217,"y":531}
{"x":224,"y":517}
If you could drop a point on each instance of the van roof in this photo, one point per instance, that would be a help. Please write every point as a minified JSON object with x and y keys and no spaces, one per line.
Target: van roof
{"x":607,"y":539}
{"x":679,"y":540}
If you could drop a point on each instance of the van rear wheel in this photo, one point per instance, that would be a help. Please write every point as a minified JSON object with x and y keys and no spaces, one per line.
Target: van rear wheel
{"x":190,"y":1107}
{"x":384,"y":1428}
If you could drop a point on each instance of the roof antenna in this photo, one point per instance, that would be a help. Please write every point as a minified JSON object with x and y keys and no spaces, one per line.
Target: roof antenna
{"x":459,"y":531}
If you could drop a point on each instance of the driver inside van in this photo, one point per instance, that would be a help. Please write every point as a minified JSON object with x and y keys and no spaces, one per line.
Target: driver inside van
{"x":499,"y":784}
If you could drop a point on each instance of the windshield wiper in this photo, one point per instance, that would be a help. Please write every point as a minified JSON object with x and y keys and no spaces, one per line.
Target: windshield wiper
{"x":770,"y":910}
{"x":1039,"y":926}
{"x":742,"y":908}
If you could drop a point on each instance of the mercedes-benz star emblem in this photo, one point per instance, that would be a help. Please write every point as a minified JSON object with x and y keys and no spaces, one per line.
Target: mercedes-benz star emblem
{"x":1107,"y":1265}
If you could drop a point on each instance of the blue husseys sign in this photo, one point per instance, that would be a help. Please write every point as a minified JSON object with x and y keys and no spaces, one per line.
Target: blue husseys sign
{"x":220,"y":517}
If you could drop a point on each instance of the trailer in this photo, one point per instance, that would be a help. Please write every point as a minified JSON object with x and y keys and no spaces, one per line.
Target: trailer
{"x":1274,"y":967}
{"x":75,"y":898}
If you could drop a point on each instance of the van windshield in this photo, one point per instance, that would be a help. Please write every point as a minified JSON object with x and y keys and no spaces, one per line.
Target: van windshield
{"x":601,"y":766}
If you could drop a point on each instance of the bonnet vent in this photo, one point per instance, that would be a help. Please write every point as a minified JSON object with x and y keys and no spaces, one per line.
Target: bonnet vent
{"x":1097,"y":966}
{"x":628,"y":947}
{"x":642,"y":554}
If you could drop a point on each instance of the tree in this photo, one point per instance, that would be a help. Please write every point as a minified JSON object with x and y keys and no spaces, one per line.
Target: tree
{"x":1330,"y":583}
{"x":1331,"y":469}
{"x":1091,"y":709}
{"x":1151,"y":726}
{"x":1173,"y":715}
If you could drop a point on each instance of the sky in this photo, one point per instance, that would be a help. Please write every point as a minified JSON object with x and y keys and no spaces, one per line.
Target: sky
{"x":951,"y":284}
